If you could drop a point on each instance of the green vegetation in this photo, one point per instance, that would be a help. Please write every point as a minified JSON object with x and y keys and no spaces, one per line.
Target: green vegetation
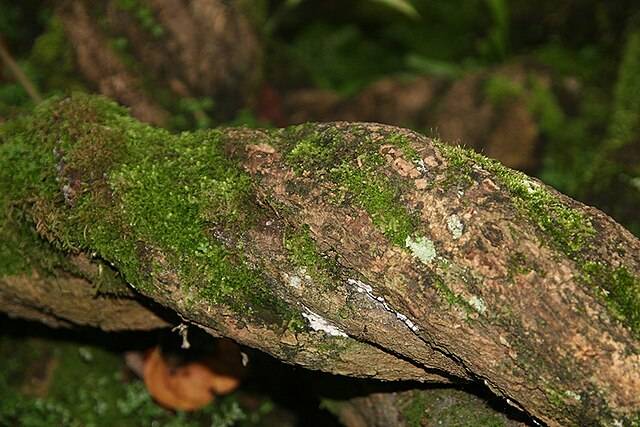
{"x":625,"y":122}
{"x":144,"y":15}
{"x":376,"y":195}
{"x":451,"y":408}
{"x":499,"y":90}
{"x":164,"y":193}
{"x":354,"y":166}
{"x":620,"y":288}
{"x":304,"y":253}
{"x":45,"y":383}
{"x":569,"y":230}
{"x":453,"y":299}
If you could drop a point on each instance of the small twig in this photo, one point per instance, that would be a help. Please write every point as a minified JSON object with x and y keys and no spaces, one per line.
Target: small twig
{"x":183,"y":330}
{"x":20,"y":76}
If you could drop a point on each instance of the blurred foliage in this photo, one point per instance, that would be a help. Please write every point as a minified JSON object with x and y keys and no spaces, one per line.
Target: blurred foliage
{"x":47,"y":382}
{"x":144,"y":15}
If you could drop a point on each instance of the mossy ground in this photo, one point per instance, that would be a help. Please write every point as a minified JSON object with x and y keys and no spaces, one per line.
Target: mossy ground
{"x":450,"y":408}
{"x":59,"y":382}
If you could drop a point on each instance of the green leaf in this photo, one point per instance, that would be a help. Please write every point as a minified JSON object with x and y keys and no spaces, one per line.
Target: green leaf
{"x":403,"y":6}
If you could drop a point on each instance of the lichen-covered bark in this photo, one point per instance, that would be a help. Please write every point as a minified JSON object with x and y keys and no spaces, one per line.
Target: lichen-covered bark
{"x":358,"y":249}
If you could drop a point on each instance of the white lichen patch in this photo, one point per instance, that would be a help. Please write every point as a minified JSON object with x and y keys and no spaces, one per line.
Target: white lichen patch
{"x":421,"y":248}
{"x":295,"y":281}
{"x":368,"y":290}
{"x":422,"y":168}
{"x":361,"y":286}
{"x":404,"y":319}
{"x":477,"y":304}
{"x":455,"y":226}
{"x":573,"y":395}
{"x":319,"y":323}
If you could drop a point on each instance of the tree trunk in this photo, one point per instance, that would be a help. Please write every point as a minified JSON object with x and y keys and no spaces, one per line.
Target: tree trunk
{"x":149,"y":54}
{"x":358,"y":249}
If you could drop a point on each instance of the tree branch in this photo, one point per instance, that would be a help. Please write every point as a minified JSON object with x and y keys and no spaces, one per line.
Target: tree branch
{"x":358,"y":249}
{"x":17,"y":72}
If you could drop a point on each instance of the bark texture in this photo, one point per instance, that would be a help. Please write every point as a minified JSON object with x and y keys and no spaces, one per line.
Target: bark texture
{"x":358,"y":249}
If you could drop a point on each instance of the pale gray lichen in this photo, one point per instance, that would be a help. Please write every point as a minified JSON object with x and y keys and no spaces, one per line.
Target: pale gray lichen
{"x":478,"y":304}
{"x":368,"y":290}
{"x":422,"y":248}
{"x":361,"y":286}
{"x":295,"y":282}
{"x":319,"y":323}
{"x":455,"y":226}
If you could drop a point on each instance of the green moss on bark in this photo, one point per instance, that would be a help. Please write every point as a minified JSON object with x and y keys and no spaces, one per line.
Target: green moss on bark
{"x":95,"y":180}
{"x":350,"y":159}
{"x":568,"y":229}
{"x":619,"y":288}
{"x":304,"y":254}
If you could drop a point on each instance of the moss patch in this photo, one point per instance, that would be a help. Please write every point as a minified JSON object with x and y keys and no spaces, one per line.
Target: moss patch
{"x":304,"y":253}
{"x":350,"y":159}
{"x":619,"y":288}
{"x":376,"y":195}
{"x":568,"y":229}
{"x":94,"y":179}
{"x":451,"y":298}
{"x":448,"y":407}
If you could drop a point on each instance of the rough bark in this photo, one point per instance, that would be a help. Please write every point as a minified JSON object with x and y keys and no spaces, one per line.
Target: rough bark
{"x":359,"y":249}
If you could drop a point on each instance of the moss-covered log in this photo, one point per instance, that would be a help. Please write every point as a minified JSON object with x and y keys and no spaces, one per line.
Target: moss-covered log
{"x":358,"y":249}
